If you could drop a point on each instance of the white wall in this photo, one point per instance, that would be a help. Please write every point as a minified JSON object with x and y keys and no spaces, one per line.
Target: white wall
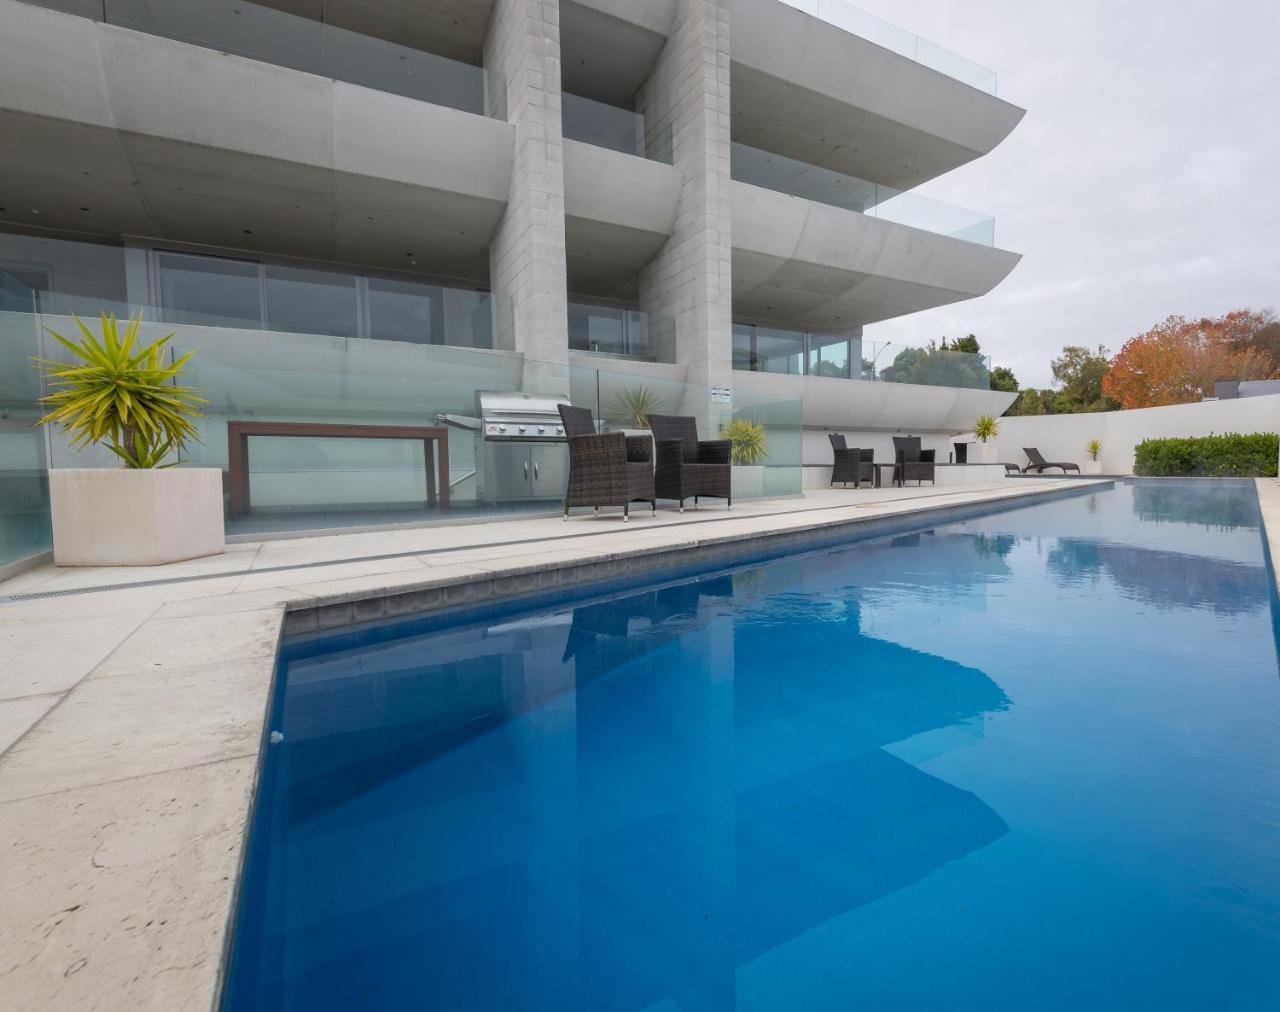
{"x":1063,"y":437}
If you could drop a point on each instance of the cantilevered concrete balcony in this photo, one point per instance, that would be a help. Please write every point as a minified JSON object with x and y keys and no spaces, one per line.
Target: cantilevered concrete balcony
{"x":113,"y":131}
{"x":806,"y":87}
{"x":811,"y":265}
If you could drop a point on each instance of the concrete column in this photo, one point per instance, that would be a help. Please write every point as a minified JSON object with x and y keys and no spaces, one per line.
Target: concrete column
{"x":687,"y":287}
{"x":527,"y":256}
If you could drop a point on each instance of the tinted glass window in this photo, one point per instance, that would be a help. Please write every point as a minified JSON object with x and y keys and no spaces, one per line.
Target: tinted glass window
{"x":405,"y":311}
{"x":829,"y":355}
{"x":304,"y":301}
{"x":209,"y":291}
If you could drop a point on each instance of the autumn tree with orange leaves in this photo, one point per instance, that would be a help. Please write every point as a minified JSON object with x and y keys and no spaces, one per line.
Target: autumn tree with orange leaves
{"x":1180,"y":360}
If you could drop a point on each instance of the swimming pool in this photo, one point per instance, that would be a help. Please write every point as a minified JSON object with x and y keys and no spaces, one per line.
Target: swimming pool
{"x":1029,"y":760}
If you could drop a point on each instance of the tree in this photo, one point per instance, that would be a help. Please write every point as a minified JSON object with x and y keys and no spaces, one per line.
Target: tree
{"x":1249,"y":330}
{"x":937,"y":366}
{"x":1002,"y":378}
{"x":1030,"y":402}
{"x":1079,"y":373}
{"x":1179,"y":361}
{"x":967,"y":344}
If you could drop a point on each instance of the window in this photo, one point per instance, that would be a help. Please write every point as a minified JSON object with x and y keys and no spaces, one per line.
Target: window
{"x":304,"y":301}
{"x":209,"y":291}
{"x":406,"y":311}
{"x":794,"y":352}
{"x":829,"y":355}
{"x":608,"y":329}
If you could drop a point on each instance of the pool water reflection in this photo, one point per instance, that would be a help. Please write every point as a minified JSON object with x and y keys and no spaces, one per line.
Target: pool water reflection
{"x":1024,"y":761}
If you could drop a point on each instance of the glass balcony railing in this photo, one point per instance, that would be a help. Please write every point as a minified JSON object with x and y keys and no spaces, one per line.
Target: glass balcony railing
{"x":608,"y":126}
{"x":800,"y":179}
{"x":858,"y":22}
{"x":892,"y":362}
{"x":780,"y":350}
{"x":289,"y":40}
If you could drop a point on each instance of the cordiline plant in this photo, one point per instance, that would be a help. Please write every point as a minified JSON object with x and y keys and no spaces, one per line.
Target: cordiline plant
{"x":118,"y":393}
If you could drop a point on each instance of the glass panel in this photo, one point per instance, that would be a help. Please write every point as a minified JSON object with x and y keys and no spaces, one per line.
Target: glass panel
{"x":468,"y":318}
{"x":597,"y":328}
{"x":799,"y":179}
{"x":301,"y":43}
{"x":405,"y":311}
{"x":858,"y":22}
{"x":744,"y":347}
{"x":605,"y":126}
{"x":24,"y":479}
{"x":780,"y":351}
{"x":209,"y":290}
{"x":829,"y":355}
{"x":928,"y":365}
{"x":311,"y":302}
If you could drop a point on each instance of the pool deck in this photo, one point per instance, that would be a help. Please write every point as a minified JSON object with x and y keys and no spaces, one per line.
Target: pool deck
{"x":131,"y":717}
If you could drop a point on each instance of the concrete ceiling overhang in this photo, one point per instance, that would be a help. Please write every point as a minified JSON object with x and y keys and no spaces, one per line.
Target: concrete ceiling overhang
{"x":109,"y":132}
{"x":452,"y":28}
{"x":619,"y":210}
{"x":603,"y":56}
{"x":814,"y":92}
{"x":800,"y":263}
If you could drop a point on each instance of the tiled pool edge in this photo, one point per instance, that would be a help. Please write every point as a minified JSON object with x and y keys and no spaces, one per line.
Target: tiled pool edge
{"x":600,"y":573}
{"x":1268,"y":490}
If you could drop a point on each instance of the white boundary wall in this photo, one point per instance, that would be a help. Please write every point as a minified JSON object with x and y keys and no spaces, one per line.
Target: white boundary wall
{"x":1064,"y":437}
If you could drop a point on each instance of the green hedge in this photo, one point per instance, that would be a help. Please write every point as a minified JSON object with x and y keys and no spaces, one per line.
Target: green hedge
{"x":1227,"y":456}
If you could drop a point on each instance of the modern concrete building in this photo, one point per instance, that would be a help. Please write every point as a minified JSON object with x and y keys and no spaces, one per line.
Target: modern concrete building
{"x":367,"y":208}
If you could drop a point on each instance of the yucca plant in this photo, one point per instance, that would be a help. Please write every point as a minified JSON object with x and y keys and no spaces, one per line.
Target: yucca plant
{"x":121,"y":394}
{"x":986,"y":427}
{"x":632,"y":406}
{"x":748,"y":444}
{"x":1093,"y":448}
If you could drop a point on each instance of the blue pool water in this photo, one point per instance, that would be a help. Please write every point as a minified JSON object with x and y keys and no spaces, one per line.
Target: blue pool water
{"x":1028,"y":761}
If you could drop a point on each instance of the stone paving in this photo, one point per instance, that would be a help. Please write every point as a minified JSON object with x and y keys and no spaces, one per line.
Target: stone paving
{"x":131,"y":718}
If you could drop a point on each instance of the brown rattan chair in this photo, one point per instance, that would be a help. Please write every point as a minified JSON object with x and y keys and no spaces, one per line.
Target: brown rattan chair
{"x":911,"y":463}
{"x":605,"y":468}
{"x":851,"y":464}
{"x":689,"y":466}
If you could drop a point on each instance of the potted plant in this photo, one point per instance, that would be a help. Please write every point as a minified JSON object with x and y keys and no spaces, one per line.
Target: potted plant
{"x":748,"y":448}
{"x":986,"y":429}
{"x":1093,"y":465}
{"x":632,"y":406}
{"x":147,"y":511}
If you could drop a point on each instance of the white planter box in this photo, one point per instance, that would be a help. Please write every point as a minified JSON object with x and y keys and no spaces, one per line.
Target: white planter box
{"x":1091,"y":467}
{"x":983,"y":453}
{"x":135,"y":517}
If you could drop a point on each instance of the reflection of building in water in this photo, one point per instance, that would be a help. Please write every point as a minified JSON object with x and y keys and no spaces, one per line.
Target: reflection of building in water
{"x":606,"y":808}
{"x":1163,"y":579}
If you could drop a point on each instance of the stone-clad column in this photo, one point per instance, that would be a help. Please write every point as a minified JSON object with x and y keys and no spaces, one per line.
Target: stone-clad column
{"x":689,"y":283}
{"x":527,"y":255}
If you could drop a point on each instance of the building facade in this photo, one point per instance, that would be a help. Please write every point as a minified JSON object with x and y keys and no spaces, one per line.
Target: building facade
{"x":350,"y":205}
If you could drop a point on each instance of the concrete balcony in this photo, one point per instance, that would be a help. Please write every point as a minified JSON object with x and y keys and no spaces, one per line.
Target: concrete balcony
{"x":814,"y":91}
{"x":114,"y":131}
{"x":810,"y":265}
{"x":619,"y":209}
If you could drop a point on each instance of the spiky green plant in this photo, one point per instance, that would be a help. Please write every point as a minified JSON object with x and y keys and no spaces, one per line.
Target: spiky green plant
{"x":986,"y":427}
{"x":121,"y":394}
{"x":747,"y":440}
{"x":632,"y":406}
{"x":1093,"y":448}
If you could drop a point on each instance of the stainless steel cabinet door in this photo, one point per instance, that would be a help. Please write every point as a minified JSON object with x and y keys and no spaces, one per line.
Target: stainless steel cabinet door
{"x":508,"y":472}
{"x":550,"y":464}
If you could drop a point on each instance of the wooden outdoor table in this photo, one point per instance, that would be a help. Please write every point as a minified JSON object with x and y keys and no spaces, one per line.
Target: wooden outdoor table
{"x":238,"y":434}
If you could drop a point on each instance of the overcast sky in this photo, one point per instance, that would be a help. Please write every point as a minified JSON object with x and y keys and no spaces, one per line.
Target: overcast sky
{"x":1143,"y":181}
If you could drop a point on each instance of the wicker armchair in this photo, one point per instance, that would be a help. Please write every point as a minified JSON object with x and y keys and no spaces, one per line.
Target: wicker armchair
{"x":689,"y":466}
{"x":911,"y":463}
{"x":605,"y":468}
{"x":851,"y":463}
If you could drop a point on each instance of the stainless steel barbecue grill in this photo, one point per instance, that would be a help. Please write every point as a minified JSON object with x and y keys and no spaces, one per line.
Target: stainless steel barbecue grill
{"x":520,"y":446}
